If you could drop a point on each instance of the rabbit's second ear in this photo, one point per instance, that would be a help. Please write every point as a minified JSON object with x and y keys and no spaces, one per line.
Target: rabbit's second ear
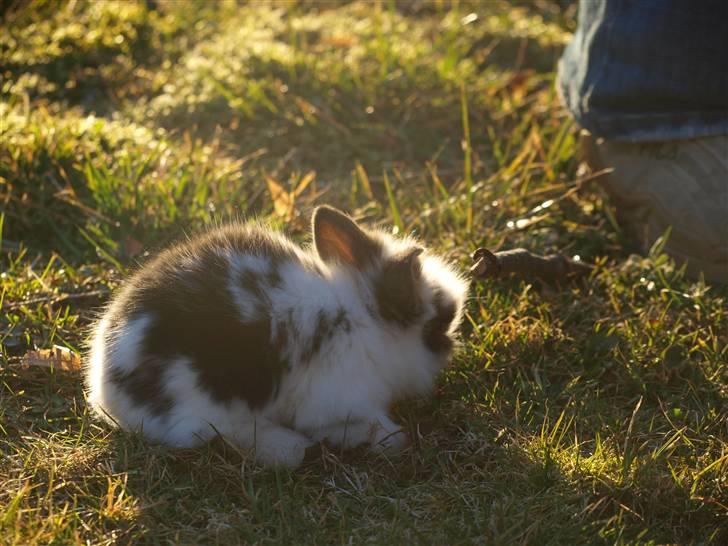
{"x":338,"y":238}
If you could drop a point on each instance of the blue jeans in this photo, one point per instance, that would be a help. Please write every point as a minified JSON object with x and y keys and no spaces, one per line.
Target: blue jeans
{"x":648,"y":70}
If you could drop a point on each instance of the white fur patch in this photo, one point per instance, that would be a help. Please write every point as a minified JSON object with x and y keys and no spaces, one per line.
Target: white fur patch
{"x":112,"y":347}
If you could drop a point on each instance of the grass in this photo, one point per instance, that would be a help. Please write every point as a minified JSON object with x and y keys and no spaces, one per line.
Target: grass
{"x":589,"y":414}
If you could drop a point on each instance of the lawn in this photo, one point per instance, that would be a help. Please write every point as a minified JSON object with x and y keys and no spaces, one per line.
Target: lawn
{"x":590,"y":413}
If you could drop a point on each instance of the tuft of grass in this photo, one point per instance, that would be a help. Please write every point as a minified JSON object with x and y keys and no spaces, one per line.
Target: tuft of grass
{"x":592,"y":414}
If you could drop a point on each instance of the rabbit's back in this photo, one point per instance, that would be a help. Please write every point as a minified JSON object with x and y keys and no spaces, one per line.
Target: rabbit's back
{"x":212,"y":322}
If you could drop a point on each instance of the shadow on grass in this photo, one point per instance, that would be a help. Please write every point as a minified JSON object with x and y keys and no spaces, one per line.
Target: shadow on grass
{"x":541,"y":464}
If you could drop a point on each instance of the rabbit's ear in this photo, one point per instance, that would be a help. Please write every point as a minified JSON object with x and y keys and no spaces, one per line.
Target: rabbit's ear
{"x":397,"y":289}
{"x":338,"y":238}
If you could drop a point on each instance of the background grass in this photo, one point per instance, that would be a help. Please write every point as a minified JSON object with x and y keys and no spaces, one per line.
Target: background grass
{"x":588,"y":414}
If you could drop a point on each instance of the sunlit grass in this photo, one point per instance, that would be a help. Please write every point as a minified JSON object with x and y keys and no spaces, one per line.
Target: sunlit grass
{"x":583,"y":414}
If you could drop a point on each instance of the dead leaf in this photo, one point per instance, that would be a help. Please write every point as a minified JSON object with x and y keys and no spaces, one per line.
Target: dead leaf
{"x":283,"y":201}
{"x":58,"y":358}
{"x":339,"y":41}
{"x":304,"y":183}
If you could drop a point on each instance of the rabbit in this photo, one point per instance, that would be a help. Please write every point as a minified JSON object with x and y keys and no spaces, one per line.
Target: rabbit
{"x":241,"y":333}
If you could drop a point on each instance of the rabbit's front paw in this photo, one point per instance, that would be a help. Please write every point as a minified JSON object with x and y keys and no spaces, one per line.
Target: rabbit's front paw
{"x":386,"y":435}
{"x":278,"y":446}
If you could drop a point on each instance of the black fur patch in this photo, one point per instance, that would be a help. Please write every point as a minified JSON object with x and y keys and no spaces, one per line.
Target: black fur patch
{"x":144,"y":385}
{"x":185,"y":291}
{"x":253,"y":282}
{"x":273,"y":278}
{"x":434,"y":332}
{"x":326,"y":327}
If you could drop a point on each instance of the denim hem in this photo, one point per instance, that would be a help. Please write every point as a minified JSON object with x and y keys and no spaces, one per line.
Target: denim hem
{"x":654,"y":127}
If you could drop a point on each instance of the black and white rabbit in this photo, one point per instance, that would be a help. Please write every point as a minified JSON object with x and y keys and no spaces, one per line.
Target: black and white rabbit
{"x":240,"y":332}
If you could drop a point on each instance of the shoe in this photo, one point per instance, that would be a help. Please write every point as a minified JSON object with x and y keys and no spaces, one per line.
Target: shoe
{"x":681,"y":186}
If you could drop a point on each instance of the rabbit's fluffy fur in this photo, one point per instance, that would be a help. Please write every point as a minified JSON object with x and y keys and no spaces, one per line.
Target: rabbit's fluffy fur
{"x":240,"y":332}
